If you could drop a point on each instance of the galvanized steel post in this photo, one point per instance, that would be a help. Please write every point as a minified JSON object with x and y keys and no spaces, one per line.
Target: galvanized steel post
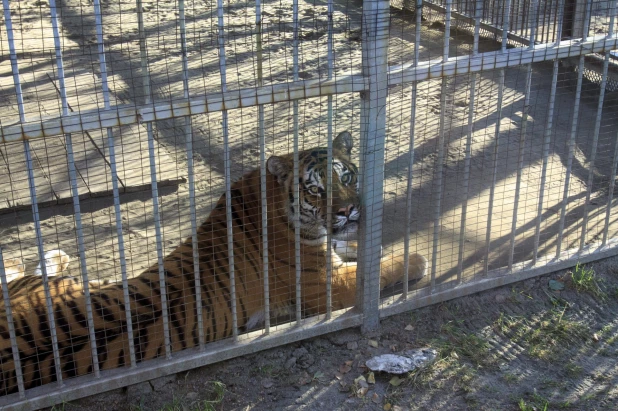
{"x":373,"y":129}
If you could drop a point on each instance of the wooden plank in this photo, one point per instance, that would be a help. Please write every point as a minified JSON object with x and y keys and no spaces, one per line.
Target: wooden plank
{"x":91,"y":156}
{"x":15,"y":161}
{"x":5,"y":185}
{"x":132,"y":158}
{"x":51,"y":156}
{"x":91,"y":163}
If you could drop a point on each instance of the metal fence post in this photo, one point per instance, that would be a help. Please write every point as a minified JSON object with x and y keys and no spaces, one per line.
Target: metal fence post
{"x":373,"y":128}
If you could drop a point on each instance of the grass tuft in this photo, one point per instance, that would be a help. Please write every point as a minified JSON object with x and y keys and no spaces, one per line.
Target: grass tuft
{"x":545,"y":336}
{"x":584,"y":280}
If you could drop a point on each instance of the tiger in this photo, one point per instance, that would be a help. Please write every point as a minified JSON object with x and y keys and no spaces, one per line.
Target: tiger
{"x":55,"y":261}
{"x":14,"y":268}
{"x":215,"y":293}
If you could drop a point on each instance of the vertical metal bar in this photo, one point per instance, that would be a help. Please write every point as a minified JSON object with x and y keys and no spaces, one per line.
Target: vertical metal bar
{"x":114,"y":177}
{"x":571,"y":142}
{"x":264,"y":194}
{"x":492,"y":189}
{"x":440,"y":161}
{"x":41,"y":251}
{"x":560,"y":17}
{"x":494,"y":172}
{"x":9,"y":319}
{"x":546,"y":143}
{"x":153,"y":179}
{"x":74,"y":191}
{"x":188,"y":130}
{"x":520,"y":162}
{"x":468,"y":154}
{"x":533,"y":23}
{"x":545,"y":22}
{"x":227,"y":166}
{"x":296,"y":171}
{"x":31,"y":184}
{"x":447,"y":30}
{"x":525,"y":23}
{"x":522,"y":137}
{"x":375,"y":25}
{"x":329,"y":171}
{"x":597,"y":127}
{"x":610,"y":194}
{"x":413,"y":97}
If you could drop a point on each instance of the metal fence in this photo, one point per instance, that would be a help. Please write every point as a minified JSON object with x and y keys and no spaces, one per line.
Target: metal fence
{"x":481,"y":145}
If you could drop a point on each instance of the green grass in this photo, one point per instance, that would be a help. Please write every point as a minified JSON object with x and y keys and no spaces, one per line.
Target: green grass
{"x":584,"y":280}
{"x":573,"y":370}
{"x":545,"y":336}
{"x":466,"y":345}
{"x":536,"y":403}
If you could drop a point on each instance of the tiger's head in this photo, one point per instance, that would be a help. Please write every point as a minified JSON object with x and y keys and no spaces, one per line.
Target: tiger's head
{"x":313,"y":165}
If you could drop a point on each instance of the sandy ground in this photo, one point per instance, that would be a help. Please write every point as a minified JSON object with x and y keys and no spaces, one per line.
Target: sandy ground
{"x":35,"y":44}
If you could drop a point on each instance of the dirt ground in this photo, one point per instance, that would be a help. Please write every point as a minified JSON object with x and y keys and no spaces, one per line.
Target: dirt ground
{"x":520,"y":347}
{"x":489,"y":348}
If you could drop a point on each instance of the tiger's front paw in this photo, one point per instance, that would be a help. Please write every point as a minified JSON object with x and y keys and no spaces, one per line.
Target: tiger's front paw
{"x":346,"y":250}
{"x":393,"y":268}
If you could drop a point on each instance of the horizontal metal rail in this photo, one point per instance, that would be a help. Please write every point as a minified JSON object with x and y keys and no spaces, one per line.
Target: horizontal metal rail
{"x":214,"y":102}
{"x":49,"y":395}
{"x":497,"y":31}
{"x":499,"y":277}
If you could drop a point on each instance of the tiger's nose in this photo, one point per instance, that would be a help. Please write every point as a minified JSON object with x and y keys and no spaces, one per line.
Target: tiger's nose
{"x":345,"y":211}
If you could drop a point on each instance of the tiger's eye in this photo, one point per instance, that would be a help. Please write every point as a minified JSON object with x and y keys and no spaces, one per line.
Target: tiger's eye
{"x":345,"y":179}
{"x":314,"y":189}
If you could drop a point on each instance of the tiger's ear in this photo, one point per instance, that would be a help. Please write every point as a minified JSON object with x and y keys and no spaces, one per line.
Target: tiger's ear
{"x":278,"y":167}
{"x":344,"y":142}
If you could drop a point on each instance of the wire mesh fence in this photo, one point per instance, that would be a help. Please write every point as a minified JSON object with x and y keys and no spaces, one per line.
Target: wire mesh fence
{"x":184,"y":182}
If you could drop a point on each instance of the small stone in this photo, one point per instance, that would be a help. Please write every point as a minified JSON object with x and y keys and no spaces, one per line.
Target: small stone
{"x":371,"y":379}
{"x":299,"y":352}
{"x":373,"y":343}
{"x":343,"y":337}
{"x":305,"y":379}
{"x":352,"y":345}
{"x":267,"y":383}
{"x":500,"y":298}
{"x":595,"y":337}
{"x":305,"y":361}
{"x":191,"y":396}
{"x":344,"y":368}
{"x":290,"y":363}
{"x":375,"y":398}
{"x":362,"y":392}
{"x":361,"y":382}
{"x":409,"y":327}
